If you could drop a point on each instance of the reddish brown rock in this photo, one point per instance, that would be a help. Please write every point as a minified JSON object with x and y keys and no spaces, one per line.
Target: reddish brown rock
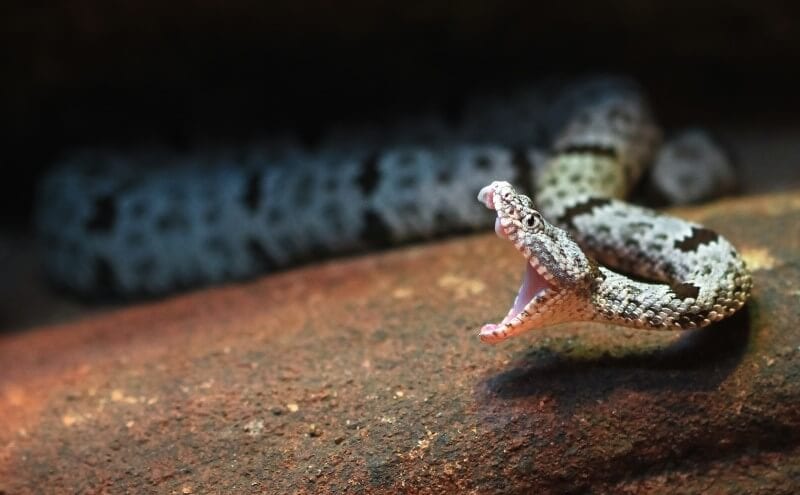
{"x":366,"y":376}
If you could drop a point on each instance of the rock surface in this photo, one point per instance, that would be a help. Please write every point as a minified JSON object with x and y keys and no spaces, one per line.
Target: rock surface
{"x":366,"y":376}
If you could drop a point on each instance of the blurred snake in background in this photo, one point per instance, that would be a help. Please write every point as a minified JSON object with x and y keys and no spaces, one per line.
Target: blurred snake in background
{"x":151,"y":221}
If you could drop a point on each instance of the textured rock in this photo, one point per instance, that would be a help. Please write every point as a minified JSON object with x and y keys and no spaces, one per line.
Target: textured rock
{"x":366,"y":376}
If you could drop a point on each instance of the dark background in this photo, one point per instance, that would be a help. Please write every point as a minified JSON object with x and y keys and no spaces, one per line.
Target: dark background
{"x":92,"y":72}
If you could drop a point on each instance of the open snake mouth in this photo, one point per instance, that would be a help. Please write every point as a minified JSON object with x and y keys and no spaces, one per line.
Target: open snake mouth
{"x":534,"y":287}
{"x":536,"y":284}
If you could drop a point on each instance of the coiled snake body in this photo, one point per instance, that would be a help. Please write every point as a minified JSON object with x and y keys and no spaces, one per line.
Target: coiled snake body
{"x":112,"y":222}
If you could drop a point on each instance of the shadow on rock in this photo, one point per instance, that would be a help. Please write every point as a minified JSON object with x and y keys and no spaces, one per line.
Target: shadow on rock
{"x":698,"y":361}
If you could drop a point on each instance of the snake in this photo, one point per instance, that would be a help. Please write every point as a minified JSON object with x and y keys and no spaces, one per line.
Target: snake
{"x":581,"y":238}
{"x":152,"y":221}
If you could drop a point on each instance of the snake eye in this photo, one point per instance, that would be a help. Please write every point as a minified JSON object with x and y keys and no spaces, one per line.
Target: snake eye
{"x":533,"y":220}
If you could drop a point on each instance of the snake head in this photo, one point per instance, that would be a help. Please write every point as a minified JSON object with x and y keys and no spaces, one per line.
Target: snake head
{"x":558,"y":276}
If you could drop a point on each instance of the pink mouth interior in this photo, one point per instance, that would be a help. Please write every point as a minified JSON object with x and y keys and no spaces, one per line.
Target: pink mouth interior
{"x":498,"y":229}
{"x":533,"y":285}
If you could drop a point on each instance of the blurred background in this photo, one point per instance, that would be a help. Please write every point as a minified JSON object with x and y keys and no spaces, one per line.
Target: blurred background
{"x":122,"y":74}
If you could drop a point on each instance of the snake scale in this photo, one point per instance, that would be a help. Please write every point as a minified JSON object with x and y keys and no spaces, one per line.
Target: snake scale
{"x":152,"y":222}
